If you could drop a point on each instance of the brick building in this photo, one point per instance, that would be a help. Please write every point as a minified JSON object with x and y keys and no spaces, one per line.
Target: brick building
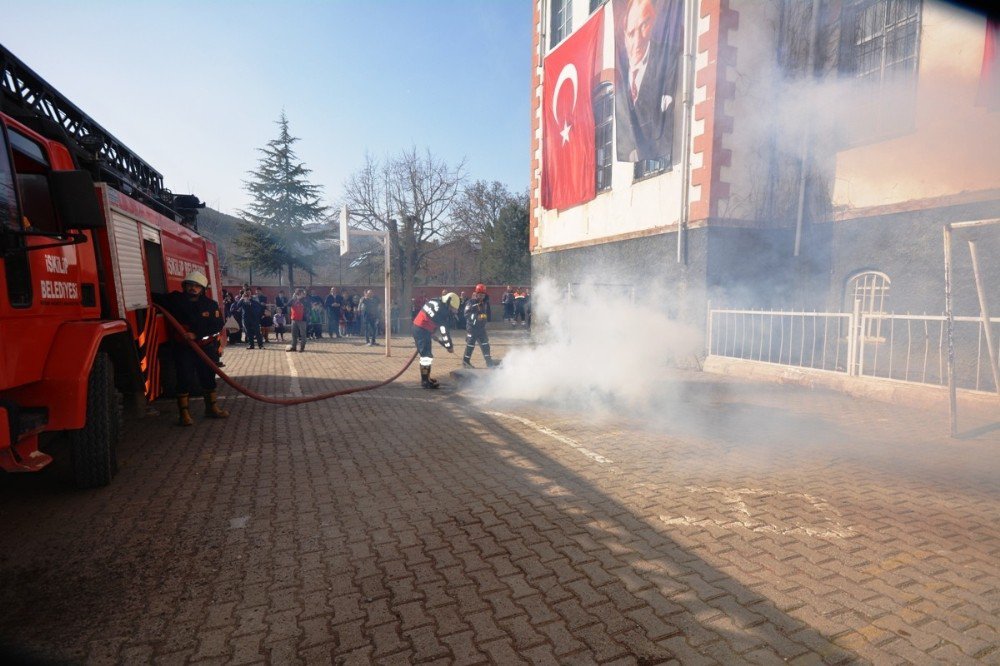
{"x":813,"y":150}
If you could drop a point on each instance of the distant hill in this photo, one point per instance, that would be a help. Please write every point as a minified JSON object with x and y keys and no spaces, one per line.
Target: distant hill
{"x":222,"y":229}
{"x":218,"y":226}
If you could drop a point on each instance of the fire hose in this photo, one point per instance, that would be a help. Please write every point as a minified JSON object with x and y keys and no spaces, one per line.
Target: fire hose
{"x":265,"y":398}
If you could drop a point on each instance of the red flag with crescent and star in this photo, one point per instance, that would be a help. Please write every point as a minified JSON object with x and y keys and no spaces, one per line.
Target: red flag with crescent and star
{"x":989,"y":77}
{"x":568,"y":162}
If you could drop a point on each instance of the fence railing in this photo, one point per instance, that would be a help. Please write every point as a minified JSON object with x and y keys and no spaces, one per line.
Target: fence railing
{"x":903,"y":347}
{"x":803,"y":339}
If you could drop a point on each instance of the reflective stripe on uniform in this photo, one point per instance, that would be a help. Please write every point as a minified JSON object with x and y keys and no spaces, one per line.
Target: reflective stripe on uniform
{"x":425,"y":361}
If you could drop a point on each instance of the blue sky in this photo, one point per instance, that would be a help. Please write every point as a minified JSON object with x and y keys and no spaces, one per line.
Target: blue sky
{"x":195,"y":88}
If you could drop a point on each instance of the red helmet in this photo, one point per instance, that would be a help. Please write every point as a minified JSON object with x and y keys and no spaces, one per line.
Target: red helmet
{"x":480,"y":289}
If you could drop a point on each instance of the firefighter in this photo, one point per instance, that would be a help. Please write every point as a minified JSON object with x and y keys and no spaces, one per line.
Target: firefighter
{"x":202,"y":322}
{"x":476,"y":317}
{"x":436,"y":313}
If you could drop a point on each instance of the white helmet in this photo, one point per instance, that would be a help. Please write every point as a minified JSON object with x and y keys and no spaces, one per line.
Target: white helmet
{"x":198,"y":278}
{"x":452,"y":299}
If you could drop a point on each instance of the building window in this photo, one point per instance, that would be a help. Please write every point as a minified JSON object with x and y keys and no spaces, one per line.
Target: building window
{"x":595,"y":4}
{"x":880,"y":43}
{"x":649,"y":168}
{"x":604,"y":116}
{"x":562,"y":21}
{"x":870,"y":290}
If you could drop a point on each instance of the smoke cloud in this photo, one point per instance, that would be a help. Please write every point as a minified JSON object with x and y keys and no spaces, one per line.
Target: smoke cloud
{"x":594,"y":351}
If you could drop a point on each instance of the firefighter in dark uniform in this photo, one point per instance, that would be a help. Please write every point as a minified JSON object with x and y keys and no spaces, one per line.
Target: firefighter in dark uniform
{"x":476,"y":316}
{"x":436,"y":313}
{"x":202,"y":321}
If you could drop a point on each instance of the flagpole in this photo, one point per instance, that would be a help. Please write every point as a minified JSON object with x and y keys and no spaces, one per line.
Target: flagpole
{"x":690,"y":36}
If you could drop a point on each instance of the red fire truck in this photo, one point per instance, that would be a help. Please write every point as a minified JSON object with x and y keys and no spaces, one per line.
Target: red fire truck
{"x":89,"y":240}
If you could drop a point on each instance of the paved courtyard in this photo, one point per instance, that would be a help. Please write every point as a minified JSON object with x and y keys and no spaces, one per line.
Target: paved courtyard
{"x":738,"y":523}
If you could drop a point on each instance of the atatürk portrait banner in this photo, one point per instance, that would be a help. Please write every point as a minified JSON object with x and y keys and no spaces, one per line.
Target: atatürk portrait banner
{"x":649,"y":39}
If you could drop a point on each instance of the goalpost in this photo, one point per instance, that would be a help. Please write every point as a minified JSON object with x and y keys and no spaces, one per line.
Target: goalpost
{"x":984,"y":313}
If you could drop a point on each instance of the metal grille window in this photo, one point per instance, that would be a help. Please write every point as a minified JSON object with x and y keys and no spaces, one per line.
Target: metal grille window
{"x":604,"y":115}
{"x":562,"y":21}
{"x":870,"y":290}
{"x":880,"y":47}
{"x":649,"y":168}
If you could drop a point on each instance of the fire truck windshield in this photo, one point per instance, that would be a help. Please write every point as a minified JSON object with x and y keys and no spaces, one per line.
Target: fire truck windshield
{"x":28,"y":148}
{"x":32,"y":165}
{"x":38,"y":218}
{"x":8,"y":195}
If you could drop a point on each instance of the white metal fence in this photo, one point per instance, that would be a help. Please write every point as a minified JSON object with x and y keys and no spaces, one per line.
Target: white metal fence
{"x":804,"y":339}
{"x":903,"y":347}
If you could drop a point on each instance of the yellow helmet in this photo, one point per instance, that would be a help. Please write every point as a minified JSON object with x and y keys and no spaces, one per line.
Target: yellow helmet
{"x":452,"y":299}
{"x":198,"y":278}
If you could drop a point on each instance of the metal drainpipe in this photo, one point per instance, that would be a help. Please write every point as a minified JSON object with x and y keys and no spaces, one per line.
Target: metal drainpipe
{"x":690,"y":37}
{"x":781,"y":58}
{"x":543,"y":32}
{"x":803,"y":169}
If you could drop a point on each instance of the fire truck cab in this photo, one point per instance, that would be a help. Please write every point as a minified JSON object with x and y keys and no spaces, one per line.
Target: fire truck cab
{"x":89,"y":240}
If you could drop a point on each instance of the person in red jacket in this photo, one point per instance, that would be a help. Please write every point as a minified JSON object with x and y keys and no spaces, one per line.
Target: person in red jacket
{"x":437,"y":313}
{"x":298,"y":316}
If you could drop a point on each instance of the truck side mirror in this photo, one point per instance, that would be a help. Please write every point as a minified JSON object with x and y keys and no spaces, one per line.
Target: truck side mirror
{"x":75,"y":200}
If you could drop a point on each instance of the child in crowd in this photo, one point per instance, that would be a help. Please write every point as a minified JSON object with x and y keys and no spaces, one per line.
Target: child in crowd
{"x":314,"y":328}
{"x":347,"y":313}
{"x":267,"y":325}
{"x":279,"y":325}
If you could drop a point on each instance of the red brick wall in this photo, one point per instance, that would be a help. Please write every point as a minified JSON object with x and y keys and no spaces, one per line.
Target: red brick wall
{"x":536,"y":100}
{"x":721,"y":55}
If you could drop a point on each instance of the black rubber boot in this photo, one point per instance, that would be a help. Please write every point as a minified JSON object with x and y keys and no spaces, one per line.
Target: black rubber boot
{"x":212,"y":409}
{"x":183,"y":410}
{"x":425,"y":378}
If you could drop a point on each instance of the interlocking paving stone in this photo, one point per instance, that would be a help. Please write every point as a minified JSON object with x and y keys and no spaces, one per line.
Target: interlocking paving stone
{"x":747,"y":523}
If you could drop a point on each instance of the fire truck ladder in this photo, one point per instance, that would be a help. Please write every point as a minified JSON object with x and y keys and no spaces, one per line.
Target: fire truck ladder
{"x":30,"y":99}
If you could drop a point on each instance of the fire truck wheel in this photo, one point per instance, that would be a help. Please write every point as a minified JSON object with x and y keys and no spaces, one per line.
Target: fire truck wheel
{"x":95,"y":459}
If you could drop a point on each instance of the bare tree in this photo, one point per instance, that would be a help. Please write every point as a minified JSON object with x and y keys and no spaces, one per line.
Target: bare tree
{"x":411,"y":195}
{"x":478,"y":208}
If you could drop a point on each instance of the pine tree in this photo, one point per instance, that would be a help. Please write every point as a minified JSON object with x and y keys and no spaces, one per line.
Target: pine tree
{"x":274,"y":233}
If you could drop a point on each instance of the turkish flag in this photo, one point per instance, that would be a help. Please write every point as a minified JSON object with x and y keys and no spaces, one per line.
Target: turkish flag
{"x":989,"y":77}
{"x":568,"y":162}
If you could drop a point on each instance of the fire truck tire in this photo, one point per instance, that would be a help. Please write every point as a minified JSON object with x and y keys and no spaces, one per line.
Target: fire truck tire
{"x":94,"y":447}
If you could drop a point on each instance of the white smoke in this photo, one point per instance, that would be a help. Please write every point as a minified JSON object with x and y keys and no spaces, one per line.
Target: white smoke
{"x":594,"y":353}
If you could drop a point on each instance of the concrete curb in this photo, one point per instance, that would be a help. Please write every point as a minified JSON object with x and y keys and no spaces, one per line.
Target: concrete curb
{"x":882,"y":390}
